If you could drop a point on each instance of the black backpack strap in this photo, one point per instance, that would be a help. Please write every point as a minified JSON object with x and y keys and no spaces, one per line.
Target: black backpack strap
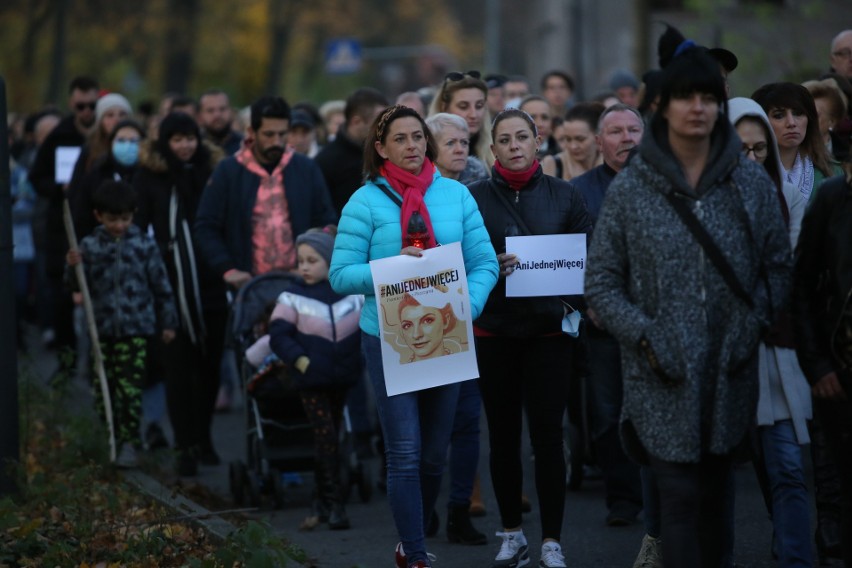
{"x":710,"y":248}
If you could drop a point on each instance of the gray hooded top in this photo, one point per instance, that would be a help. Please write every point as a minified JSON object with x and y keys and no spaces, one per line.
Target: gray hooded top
{"x":741,"y":107}
{"x":648,"y":278}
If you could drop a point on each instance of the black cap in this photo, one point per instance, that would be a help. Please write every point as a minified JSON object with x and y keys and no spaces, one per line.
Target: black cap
{"x":726,"y":58}
{"x":301,"y":118}
{"x":493,"y":81}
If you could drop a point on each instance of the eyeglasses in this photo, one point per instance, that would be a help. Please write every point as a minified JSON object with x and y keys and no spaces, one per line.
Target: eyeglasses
{"x":843,"y":53}
{"x":458,"y":76}
{"x":83,"y":106}
{"x":761,"y":149}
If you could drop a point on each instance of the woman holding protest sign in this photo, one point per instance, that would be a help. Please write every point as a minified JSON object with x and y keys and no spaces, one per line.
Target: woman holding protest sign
{"x":524,"y":358}
{"x":405,"y":194}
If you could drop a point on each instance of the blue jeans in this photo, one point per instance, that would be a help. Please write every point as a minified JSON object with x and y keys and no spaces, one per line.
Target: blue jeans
{"x":464,"y":453}
{"x":416,"y":428}
{"x":791,"y":510}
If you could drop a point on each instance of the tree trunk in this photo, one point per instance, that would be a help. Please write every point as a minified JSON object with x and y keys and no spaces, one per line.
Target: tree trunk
{"x":280,"y":22}
{"x":55,"y":86}
{"x":180,"y":43}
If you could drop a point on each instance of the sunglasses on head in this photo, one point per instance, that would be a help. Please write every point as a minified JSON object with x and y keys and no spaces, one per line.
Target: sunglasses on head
{"x":84,"y":106}
{"x":458,"y":76}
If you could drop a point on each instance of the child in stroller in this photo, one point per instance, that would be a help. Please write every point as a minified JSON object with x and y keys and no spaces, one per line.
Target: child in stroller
{"x":315,"y":332}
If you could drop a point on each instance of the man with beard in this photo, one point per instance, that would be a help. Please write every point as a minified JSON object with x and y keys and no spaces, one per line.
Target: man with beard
{"x":48,"y":228}
{"x":259,"y":200}
{"x":620,"y":129}
{"x":215,"y":117}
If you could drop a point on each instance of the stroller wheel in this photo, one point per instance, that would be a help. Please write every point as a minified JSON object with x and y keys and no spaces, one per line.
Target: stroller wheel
{"x":278,"y":493}
{"x":237,"y":480}
{"x":365,"y":483}
{"x":574,"y":458}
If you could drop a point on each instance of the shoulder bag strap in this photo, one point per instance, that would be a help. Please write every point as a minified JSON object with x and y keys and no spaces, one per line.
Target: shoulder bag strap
{"x":394,"y":196}
{"x":710,"y":248}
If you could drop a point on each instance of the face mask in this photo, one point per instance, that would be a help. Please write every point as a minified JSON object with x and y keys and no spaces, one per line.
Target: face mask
{"x":125,"y":152}
{"x":571,"y":322}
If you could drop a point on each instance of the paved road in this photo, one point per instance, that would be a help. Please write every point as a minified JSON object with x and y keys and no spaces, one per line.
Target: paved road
{"x":587,"y":542}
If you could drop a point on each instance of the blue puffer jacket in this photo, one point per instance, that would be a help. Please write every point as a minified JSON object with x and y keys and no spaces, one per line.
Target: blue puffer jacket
{"x":370,"y":229}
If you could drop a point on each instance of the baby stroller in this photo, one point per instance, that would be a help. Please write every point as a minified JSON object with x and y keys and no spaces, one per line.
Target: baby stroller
{"x":278,"y":436}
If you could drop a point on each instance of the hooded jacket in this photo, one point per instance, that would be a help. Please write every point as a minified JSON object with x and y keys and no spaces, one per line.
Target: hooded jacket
{"x":130,"y":290}
{"x":784,"y":392}
{"x":649,"y":279}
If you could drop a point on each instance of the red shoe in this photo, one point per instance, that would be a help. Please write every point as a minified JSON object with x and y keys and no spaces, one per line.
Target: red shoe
{"x":399,"y":556}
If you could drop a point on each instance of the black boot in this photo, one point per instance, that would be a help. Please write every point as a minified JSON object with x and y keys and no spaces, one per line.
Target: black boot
{"x":459,"y":527}
{"x":319,"y":508}
{"x":328,"y":483}
{"x":338,"y":519}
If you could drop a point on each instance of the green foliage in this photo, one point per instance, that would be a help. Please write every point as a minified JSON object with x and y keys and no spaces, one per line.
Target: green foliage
{"x":74,"y":509}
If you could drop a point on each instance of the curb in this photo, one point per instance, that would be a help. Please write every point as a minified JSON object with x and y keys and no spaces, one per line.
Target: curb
{"x":216,"y":526}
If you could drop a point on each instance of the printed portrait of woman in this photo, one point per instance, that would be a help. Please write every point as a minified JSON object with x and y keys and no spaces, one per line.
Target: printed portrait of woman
{"x":428,"y":327}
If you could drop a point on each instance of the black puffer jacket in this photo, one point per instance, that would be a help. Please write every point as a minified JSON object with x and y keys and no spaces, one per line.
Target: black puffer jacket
{"x":548,"y":206}
{"x":822,"y":279}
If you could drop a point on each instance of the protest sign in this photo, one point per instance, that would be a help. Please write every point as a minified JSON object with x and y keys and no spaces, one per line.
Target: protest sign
{"x":424,"y":319}
{"x":66,"y":158}
{"x":548,"y":265}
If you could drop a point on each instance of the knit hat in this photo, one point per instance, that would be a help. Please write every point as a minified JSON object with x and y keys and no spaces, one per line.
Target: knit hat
{"x":112,"y":100}
{"x":623,"y":78}
{"x":322,"y":241}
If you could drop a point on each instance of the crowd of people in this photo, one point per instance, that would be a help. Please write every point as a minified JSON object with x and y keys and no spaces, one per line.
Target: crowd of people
{"x":716,"y":318}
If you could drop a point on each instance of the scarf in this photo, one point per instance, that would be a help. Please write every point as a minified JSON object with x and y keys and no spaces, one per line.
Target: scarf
{"x":273,"y":246}
{"x":516,"y":180}
{"x":801,"y":175}
{"x":412,"y":188}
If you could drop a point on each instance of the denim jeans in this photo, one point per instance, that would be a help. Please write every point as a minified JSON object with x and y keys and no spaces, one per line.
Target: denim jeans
{"x":464,"y":451}
{"x":416,"y":428}
{"x":791,"y":509}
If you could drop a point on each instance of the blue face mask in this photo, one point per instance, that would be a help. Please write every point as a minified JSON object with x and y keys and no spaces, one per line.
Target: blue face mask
{"x":126,"y":152}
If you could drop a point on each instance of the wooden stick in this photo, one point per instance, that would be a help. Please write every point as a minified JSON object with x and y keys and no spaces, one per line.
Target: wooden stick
{"x":93,"y":328}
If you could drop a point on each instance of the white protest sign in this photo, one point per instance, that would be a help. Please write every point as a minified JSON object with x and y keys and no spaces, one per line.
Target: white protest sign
{"x":424,"y":319}
{"x":548,"y":265}
{"x":66,"y":158}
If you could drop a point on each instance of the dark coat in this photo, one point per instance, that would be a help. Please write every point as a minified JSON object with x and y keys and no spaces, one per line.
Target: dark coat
{"x":648,"y":278}
{"x":83,"y":187}
{"x":822,"y":279}
{"x":548,"y":206}
{"x":154,"y":182}
{"x":342,"y":165}
{"x":131,"y":295}
{"x":316,"y":322}
{"x":223,"y":226}
{"x":48,"y":225}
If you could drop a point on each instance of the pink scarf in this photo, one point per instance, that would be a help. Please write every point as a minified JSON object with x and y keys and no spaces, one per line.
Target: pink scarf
{"x":412,"y":188}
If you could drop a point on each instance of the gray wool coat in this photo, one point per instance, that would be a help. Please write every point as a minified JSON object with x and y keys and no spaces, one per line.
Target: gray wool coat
{"x":648,"y":277}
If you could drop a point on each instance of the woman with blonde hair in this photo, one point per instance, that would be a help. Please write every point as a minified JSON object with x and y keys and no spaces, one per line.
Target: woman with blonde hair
{"x":465,"y":94}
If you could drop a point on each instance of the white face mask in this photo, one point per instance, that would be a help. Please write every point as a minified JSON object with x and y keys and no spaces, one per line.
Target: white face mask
{"x":571,"y":322}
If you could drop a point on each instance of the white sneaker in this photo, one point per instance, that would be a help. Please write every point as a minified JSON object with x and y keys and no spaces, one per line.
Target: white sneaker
{"x":650,"y":555}
{"x":551,"y":556}
{"x":514,"y":551}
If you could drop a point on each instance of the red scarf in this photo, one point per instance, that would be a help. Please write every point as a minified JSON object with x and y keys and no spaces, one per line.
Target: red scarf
{"x":516,"y":180}
{"x":412,"y":188}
